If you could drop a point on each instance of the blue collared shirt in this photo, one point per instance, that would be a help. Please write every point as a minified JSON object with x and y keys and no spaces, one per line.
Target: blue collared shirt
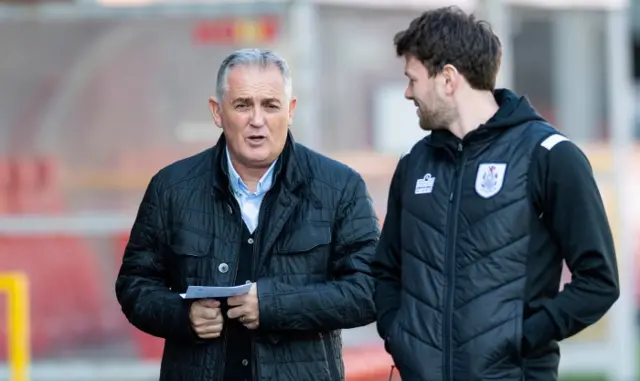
{"x":249,"y":201}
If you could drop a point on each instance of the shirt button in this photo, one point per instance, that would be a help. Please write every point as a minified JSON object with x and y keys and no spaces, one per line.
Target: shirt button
{"x":247,"y":282}
{"x":223,"y":268}
{"x":250,"y":241}
{"x":245,"y":362}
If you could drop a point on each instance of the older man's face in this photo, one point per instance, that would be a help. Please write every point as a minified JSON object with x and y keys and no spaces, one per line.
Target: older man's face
{"x":254,"y":114}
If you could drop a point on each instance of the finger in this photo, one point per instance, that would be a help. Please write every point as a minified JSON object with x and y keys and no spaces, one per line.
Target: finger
{"x":236,"y":312}
{"x":209,"y":329}
{"x":211,"y":313}
{"x":213,"y":335}
{"x":211,"y":303}
{"x":206,"y":316}
{"x":202,"y":322}
{"x":237,"y":300}
{"x":249,"y":318}
{"x":218,"y":320}
{"x":252,"y":325}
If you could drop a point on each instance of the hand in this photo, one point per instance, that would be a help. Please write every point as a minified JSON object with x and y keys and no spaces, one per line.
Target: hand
{"x":245,"y":308}
{"x":206,"y":318}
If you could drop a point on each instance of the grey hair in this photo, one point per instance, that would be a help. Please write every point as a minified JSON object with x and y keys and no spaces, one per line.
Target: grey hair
{"x":252,"y":57}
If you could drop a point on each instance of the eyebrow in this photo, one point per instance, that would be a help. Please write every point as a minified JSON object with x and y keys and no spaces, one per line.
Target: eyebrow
{"x":250,"y":100}
{"x":242,"y":100}
{"x":271,"y":100}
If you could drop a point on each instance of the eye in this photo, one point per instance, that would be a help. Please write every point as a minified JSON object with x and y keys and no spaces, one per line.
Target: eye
{"x":273,"y":107}
{"x":241,"y":107}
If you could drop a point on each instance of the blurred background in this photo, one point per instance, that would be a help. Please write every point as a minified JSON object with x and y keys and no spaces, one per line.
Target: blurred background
{"x":97,"y":95}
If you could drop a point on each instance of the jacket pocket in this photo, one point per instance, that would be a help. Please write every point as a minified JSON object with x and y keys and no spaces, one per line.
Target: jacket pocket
{"x":189,"y":262}
{"x":182,"y":251}
{"x":186,"y":242}
{"x":395,"y":348}
{"x":518,"y":338}
{"x":305,"y":239}
{"x":392,"y":337}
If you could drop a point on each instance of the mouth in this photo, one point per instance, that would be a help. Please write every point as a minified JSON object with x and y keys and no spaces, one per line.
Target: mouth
{"x":256,"y":139}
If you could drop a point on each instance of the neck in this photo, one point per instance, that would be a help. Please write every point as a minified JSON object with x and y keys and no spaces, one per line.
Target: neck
{"x":476,"y":108}
{"x":250,"y":175}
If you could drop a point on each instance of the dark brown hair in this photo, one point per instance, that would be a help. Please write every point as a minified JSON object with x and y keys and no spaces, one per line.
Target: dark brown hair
{"x":450,"y":36}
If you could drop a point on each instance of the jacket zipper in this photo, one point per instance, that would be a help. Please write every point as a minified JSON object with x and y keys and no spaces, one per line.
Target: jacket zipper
{"x":450,"y":264}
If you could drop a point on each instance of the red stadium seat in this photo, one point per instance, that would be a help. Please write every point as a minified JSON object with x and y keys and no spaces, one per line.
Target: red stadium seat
{"x":72,"y":303}
{"x":67,"y":291}
{"x":5,"y":178}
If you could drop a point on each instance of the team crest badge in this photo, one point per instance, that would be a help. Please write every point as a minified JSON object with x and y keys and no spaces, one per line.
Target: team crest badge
{"x":489,"y":179}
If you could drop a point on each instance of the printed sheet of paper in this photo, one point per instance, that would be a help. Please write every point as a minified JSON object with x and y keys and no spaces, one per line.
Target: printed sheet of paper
{"x":204,"y":292}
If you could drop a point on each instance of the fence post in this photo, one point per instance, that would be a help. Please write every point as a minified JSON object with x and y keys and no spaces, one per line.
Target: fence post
{"x":16,"y":286}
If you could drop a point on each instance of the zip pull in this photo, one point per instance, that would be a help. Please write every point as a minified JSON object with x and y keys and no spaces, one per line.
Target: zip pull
{"x":393,"y":367}
{"x":460,"y":147}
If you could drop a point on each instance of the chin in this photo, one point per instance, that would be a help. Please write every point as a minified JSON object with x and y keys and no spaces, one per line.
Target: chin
{"x":425,"y":127}
{"x":261,"y":155}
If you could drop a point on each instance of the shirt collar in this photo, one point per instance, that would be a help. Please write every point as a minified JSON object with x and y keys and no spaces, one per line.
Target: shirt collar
{"x":238,"y":186}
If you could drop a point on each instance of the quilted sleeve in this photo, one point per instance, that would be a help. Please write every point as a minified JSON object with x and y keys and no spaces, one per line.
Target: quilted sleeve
{"x":347,"y":300}
{"x":141,"y":286}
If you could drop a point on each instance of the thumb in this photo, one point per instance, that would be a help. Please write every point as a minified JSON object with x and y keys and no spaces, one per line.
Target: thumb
{"x":211,"y":303}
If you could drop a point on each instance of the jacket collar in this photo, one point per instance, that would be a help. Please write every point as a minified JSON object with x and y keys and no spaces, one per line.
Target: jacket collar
{"x":288,"y":170}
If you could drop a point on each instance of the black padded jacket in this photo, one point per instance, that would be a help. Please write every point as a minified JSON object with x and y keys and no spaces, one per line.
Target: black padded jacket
{"x":469,"y":263}
{"x":317,"y":238}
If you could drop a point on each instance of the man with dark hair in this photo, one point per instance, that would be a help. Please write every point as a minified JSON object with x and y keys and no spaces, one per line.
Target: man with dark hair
{"x":481,"y":215}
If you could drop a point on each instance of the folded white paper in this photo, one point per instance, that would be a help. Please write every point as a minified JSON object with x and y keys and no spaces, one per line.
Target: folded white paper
{"x":204,"y":292}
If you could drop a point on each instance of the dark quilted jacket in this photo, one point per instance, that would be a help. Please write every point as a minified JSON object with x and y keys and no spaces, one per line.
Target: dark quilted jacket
{"x":313,"y":257}
{"x":459,"y":253}
{"x":464,"y":263}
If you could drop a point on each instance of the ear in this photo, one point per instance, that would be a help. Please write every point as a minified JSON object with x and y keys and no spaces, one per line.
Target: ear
{"x":292,"y":109}
{"x":214,"y":107}
{"x":451,"y":78}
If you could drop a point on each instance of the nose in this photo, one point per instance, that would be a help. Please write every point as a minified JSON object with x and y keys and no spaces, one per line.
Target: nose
{"x":258,"y":117}
{"x":408,"y":94}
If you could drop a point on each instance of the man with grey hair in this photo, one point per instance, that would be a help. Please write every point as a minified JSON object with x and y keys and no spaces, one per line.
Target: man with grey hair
{"x":261,"y":209}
